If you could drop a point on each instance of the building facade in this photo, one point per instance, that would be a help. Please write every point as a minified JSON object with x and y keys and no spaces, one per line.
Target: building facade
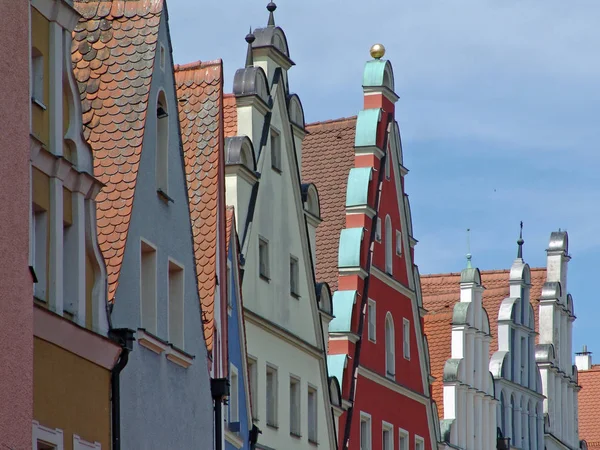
{"x":73,"y":356}
{"x":284,"y":320}
{"x":365,"y":249}
{"x":589,"y":379}
{"x":123,"y":63}
{"x":16,"y":285}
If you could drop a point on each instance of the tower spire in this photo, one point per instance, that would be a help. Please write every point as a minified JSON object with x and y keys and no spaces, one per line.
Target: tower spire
{"x":520,"y":243}
{"x":469,"y":266}
{"x":250,"y":39}
{"x":271,"y":7}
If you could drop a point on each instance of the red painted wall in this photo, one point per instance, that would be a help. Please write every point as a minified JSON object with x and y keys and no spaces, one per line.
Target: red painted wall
{"x":16,"y":288}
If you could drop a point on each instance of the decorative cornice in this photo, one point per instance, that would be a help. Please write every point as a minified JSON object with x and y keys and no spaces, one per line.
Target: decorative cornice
{"x":393,"y":385}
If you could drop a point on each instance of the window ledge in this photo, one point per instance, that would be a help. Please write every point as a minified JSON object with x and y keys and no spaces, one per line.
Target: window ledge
{"x":295,"y":435}
{"x":277,"y":169}
{"x":233,"y":439}
{"x":311,"y":442}
{"x":296,"y":296}
{"x":163,"y":195}
{"x":274,"y":427}
{"x":151,"y":342}
{"x":39,"y":103}
{"x":265,"y":278}
{"x":179,"y":357}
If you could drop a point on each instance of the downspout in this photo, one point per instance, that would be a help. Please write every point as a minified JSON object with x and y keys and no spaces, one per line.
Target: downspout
{"x":219,"y":389}
{"x":123,"y":337}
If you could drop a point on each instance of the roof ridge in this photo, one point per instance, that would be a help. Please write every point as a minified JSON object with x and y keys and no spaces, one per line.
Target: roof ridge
{"x":331,"y":121}
{"x":197,"y":65}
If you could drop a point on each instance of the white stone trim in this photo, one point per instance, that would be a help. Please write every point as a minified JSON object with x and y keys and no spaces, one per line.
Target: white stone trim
{"x":392,"y":385}
{"x":178,"y":357}
{"x":403,"y":433}
{"x":386,"y":426}
{"x":151,"y":342}
{"x":47,"y":436}
{"x":233,"y":439}
{"x":367,"y":416}
{"x":80,"y":444}
{"x":391,"y":282}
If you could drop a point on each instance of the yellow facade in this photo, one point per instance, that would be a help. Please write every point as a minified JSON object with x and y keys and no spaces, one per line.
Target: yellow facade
{"x":71,"y":393}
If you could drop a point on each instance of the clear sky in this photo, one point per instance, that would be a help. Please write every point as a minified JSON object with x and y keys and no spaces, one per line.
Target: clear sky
{"x":499,"y":113}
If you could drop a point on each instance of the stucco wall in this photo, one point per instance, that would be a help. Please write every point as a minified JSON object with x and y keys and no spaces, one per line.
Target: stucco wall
{"x":16,"y":307}
{"x":72,"y":394}
{"x":163,"y":404}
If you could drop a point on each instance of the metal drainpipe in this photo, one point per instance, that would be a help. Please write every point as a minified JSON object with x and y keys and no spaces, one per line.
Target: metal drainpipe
{"x":219,"y":389}
{"x":123,"y":337}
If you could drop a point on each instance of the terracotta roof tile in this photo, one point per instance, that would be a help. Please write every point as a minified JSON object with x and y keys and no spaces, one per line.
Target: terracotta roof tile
{"x":327,"y":157}
{"x":230,"y":216}
{"x":113,"y":53}
{"x":442,"y":291}
{"x":589,"y":396}
{"x":199,"y":93}
{"x":229,"y":115}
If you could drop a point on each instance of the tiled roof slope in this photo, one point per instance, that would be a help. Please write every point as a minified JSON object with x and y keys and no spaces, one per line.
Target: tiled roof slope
{"x":589,"y":425}
{"x":229,"y":115}
{"x":200,"y":93}
{"x":230,"y":215}
{"x":442,"y":291}
{"x":327,"y":157}
{"x":113,"y":54}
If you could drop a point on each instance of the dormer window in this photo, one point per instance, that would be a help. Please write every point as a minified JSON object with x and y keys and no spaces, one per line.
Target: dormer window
{"x":162,"y":146}
{"x":275,"y":150}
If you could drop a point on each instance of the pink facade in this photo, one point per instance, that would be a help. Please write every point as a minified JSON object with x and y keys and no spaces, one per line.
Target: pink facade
{"x":16,"y":291}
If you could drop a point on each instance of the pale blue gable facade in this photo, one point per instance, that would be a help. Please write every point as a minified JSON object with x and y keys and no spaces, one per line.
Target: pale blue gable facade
{"x":237,"y":427}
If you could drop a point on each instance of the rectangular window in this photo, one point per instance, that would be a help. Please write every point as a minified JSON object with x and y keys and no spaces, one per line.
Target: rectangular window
{"x":263,"y":257}
{"x":403,"y":440}
{"x":37,"y":77}
{"x":365,"y":432}
{"x":234,"y":398}
{"x":387,"y":437}
{"x":312,"y":415}
{"x":295,"y":412}
{"x":372,"y":317}
{"x":294,"y":275}
{"x":230,"y":285}
{"x":275,"y":150}
{"x":398,"y":243}
{"x":80,"y":444}
{"x":162,"y":56}
{"x":40,"y":256}
{"x":45,"y":438}
{"x":176,"y":304}
{"x":148,"y":287}
{"x":419,"y":443}
{"x":406,"y":338}
{"x":378,"y":230}
{"x":523,"y":360}
{"x":271,"y":396}
{"x":388,"y":164}
{"x":252,"y":381}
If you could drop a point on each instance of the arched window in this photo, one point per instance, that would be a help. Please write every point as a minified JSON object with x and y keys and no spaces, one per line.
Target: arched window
{"x":389,"y":247}
{"x":524,"y":423}
{"x":162,"y":144}
{"x":503,"y":414}
{"x":513,"y":419}
{"x":390,"y":347}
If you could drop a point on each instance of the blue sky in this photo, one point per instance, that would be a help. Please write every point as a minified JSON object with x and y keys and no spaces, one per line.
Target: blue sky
{"x":499,"y":113}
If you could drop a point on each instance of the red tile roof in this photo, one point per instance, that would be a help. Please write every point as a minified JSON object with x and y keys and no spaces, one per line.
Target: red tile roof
{"x":113,"y":53}
{"x":589,"y":396}
{"x":442,"y":291}
{"x":229,"y":115}
{"x":327,"y":157}
{"x":200,"y":94}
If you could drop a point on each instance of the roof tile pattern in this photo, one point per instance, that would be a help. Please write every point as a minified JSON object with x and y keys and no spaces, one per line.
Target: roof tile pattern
{"x":229,"y":115}
{"x":589,"y":426}
{"x":442,"y":291}
{"x":199,"y":93}
{"x":327,"y":157}
{"x":113,"y":52}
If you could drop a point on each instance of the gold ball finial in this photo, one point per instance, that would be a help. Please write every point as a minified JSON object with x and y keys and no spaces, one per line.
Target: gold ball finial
{"x":377,"y":51}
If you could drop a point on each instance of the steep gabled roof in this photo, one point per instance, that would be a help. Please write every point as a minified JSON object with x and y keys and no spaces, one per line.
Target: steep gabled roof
{"x":327,"y":157}
{"x":589,"y":425}
{"x":442,"y":291}
{"x":200,"y":95}
{"x":113,"y":54}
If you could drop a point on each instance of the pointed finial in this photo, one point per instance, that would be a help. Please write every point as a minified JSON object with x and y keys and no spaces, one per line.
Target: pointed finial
{"x":250,"y":39}
{"x":469,"y":249}
{"x":520,"y":243}
{"x":377,"y":51}
{"x":271,"y":7}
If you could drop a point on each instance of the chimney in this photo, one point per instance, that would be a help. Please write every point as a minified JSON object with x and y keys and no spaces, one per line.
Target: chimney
{"x":583,"y":359}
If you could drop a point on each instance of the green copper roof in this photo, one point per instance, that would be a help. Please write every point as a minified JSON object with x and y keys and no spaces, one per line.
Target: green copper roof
{"x":336,"y":365}
{"x":349,"y":249}
{"x":343,"y":305}
{"x":357,"y":191}
{"x":374,"y":74}
{"x":366,"y":127}
{"x":470,"y":275}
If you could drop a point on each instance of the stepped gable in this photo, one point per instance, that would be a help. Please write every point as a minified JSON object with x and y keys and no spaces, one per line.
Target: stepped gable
{"x":589,"y":427}
{"x":199,"y":93}
{"x":113,"y":53}
{"x":442,"y":291}
{"x":327,"y":157}
{"x":229,"y":115}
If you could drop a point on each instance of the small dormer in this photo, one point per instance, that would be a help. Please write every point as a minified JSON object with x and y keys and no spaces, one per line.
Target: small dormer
{"x":240,"y":174}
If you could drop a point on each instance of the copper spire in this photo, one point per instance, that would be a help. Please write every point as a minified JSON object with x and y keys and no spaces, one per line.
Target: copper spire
{"x":271,"y":7}
{"x":520,"y":243}
{"x":250,"y":39}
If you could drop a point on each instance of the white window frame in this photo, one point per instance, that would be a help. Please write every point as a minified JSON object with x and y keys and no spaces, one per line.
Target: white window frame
{"x":389,"y":246}
{"x":275,"y":137}
{"x":398,"y":243}
{"x":365,"y":417}
{"x":230,"y":285}
{"x":386,"y":426}
{"x":81,"y":444}
{"x":266,"y":273}
{"x":234,"y":394}
{"x":177,"y":267}
{"x":253,"y":384}
{"x":296,"y":428}
{"x":402,"y":433}
{"x":372,"y":320}
{"x":150,"y":327}
{"x":378,"y":230}
{"x":313,"y":435}
{"x":37,"y":78}
{"x":294,"y":276}
{"x":46,"y":435}
{"x":406,"y":338}
{"x":390,"y":347}
{"x":419,"y":443}
{"x":162,"y":144}
{"x":275,"y":394}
